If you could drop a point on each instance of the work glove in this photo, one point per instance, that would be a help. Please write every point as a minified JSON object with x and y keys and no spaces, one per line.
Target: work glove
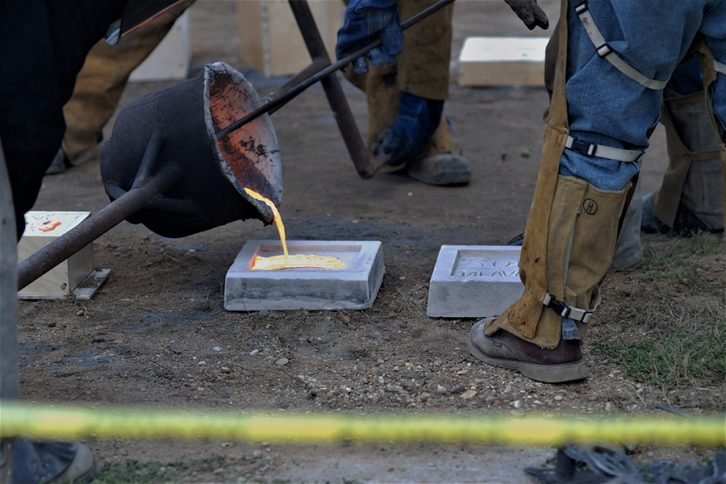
{"x":529,"y":12}
{"x":412,"y":129}
{"x":364,"y":22}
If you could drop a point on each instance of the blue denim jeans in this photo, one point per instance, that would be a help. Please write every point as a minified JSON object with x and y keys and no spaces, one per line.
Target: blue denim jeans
{"x":605,"y":106}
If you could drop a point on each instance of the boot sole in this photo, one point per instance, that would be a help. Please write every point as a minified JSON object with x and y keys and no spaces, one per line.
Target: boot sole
{"x":448,"y":179}
{"x":560,"y":373}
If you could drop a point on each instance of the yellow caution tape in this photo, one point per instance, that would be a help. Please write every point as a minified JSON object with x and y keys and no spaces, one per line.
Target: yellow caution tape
{"x":62,"y":422}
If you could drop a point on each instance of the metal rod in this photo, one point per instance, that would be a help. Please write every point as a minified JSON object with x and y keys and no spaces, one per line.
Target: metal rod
{"x":295,"y":91}
{"x":96,"y":225}
{"x":333,"y":90}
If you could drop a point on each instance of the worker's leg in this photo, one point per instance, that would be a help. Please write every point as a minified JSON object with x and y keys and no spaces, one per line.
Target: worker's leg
{"x":101,"y":83}
{"x":690,"y":197}
{"x":405,"y":102}
{"x":423,"y":81}
{"x":574,"y":219}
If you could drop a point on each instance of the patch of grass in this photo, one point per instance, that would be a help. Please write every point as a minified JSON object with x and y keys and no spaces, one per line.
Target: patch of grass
{"x":682,"y":350}
{"x":668,"y":328}
{"x":148,"y":472}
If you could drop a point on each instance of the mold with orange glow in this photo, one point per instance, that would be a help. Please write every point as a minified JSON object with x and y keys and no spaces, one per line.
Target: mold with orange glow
{"x":287,"y":261}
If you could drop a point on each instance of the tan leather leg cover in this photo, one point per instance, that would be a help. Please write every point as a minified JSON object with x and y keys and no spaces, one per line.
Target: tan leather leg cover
{"x":423,"y":65}
{"x":583,"y":230}
{"x":523,"y":317}
{"x":709,"y":77}
{"x":102,"y":80}
{"x":693,"y":174}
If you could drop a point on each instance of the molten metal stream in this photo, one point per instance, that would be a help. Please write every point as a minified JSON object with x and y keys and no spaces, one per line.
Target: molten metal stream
{"x":286,"y":261}
{"x":277,"y":218}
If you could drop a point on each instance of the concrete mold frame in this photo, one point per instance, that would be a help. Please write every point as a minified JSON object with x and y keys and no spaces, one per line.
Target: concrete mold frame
{"x":354,"y":287}
{"x":474,"y":281}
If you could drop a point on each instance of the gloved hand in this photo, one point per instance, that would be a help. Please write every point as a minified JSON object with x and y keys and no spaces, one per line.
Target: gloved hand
{"x":413,"y":127}
{"x":530,"y":13}
{"x":364,"y":19}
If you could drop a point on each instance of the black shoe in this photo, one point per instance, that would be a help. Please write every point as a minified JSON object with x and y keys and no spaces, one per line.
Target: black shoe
{"x":51,"y":462}
{"x":59,"y":164}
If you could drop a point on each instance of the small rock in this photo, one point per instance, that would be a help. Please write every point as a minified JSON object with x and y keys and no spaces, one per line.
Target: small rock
{"x":381,"y":380}
{"x":463,"y":372}
{"x":216,"y":348}
{"x":257,"y":453}
{"x":441,"y":389}
{"x":608,"y":406}
{"x":425,"y":397}
{"x":224,"y":445}
{"x":264,"y":312}
{"x":517,"y":404}
{"x":558,"y":398}
{"x":344,"y":317}
{"x":225,"y":369}
{"x":282,"y":361}
{"x":254,"y":352}
{"x":201,"y":363}
{"x":81,"y":312}
{"x":468,"y":394}
{"x":458,"y":389}
{"x":525,"y":153}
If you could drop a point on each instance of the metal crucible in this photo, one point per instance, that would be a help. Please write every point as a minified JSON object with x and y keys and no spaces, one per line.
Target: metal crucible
{"x":183,"y":120}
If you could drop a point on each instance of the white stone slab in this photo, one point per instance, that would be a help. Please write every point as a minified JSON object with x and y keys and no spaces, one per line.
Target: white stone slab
{"x":74,"y":277}
{"x":502,"y":61}
{"x":170,"y":60}
{"x":474,"y":281}
{"x":354,"y":287}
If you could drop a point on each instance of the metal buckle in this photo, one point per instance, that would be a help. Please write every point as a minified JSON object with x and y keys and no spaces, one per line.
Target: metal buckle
{"x":604,"y":50}
{"x":583,"y":147}
{"x":558,"y":306}
{"x":581,"y":8}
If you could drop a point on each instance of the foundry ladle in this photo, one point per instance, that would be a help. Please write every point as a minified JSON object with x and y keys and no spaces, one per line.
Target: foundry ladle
{"x":159,"y":170}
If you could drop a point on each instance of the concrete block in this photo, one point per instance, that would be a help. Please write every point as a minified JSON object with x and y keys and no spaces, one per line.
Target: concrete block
{"x":502,"y":61}
{"x":354,"y":287}
{"x":74,"y":277}
{"x":170,"y":60}
{"x":474,"y":281}
{"x":270,"y":40}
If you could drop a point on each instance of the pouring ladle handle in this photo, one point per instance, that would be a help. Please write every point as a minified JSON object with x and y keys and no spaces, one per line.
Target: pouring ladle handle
{"x":277,"y":102}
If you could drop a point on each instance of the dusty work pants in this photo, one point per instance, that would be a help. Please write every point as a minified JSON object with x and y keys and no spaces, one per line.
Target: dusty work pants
{"x":422,"y":69}
{"x":101,"y":83}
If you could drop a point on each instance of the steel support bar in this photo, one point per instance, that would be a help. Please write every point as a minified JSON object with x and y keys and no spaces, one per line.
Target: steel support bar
{"x":96,"y":225}
{"x":333,"y":90}
{"x":9,"y":382}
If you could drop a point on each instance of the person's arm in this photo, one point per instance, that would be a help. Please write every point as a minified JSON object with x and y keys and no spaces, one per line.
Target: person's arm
{"x":363,"y":20}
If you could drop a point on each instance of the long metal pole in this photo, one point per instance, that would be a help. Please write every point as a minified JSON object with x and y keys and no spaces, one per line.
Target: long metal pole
{"x":96,"y":225}
{"x":342,"y":63}
{"x":9,"y":382}
{"x":333,"y":90}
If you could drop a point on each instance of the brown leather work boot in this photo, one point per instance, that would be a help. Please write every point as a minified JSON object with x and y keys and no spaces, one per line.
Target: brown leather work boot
{"x":505,"y":350}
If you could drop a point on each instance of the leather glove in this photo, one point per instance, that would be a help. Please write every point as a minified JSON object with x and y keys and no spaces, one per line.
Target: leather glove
{"x":364,"y":21}
{"x":529,"y":12}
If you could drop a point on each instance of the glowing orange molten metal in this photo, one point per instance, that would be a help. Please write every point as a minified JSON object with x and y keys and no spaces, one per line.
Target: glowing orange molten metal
{"x":286,"y":261}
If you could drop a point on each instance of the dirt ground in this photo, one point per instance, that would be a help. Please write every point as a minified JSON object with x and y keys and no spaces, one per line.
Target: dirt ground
{"x":157,"y":334}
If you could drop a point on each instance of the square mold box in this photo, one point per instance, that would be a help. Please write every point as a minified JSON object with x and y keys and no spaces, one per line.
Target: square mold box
{"x":474,"y":281}
{"x":354,"y":287}
{"x":75,"y":277}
